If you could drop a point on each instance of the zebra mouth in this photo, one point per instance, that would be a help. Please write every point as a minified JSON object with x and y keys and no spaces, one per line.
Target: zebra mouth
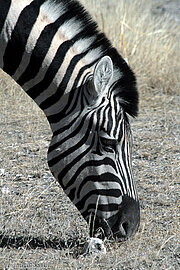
{"x":120,"y":226}
{"x":103,"y":230}
{"x":125,"y":222}
{"x":113,"y":230}
{"x":100,"y":228}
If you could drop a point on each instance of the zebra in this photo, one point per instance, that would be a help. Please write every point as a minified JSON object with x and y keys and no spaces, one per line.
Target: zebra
{"x":54,"y":50}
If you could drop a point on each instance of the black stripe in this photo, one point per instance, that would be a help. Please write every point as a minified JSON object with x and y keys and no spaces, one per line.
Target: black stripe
{"x":74,"y":133}
{"x":104,"y":192}
{"x":55,"y":160}
{"x":5,"y":5}
{"x":54,"y":66}
{"x":121,"y":127}
{"x":91,"y":163}
{"x":76,"y":160}
{"x":106,"y":177}
{"x":104,"y":118}
{"x":123,"y":179}
{"x":41,"y":49}
{"x":104,"y":208}
{"x":56,"y":117}
{"x":62,"y":87}
{"x":60,"y":130}
{"x":98,"y":114}
{"x":56,"y":63}
{"x":99,"y":43}
{"x":110,"y":120}
{"x":72,"y":194}
{"x":16,"y":45}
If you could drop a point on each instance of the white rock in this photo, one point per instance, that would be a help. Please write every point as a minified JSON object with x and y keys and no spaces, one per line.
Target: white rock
{"x":94,"y":246}
{"x":2,"y":171}
{"x":5,"y":190}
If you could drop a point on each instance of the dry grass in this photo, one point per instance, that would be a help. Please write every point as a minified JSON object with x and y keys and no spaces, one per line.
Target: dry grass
{"x":39,"y":227}
{"x":149,"y":43}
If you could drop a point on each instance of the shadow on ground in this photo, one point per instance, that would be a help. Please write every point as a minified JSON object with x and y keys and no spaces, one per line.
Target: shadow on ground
{"x":30,"y":242}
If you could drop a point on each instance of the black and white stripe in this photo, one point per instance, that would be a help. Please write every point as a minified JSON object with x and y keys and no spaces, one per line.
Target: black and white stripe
{"x":54,"y":51}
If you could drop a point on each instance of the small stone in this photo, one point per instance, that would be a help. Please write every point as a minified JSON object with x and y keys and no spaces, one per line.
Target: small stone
{"x":5,"y":190}
{"x":2,"y":171}
{"x":94,"y":246}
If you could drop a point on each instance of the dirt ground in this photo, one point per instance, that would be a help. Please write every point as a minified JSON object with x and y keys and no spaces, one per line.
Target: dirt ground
{"x":41,"y":229}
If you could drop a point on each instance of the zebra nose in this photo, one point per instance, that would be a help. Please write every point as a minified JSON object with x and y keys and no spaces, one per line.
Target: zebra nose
{"x":120,"y":226}
{"x":126,"y":222}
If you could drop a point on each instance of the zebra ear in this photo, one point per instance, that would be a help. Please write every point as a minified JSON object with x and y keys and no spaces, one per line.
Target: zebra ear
{"x":103,"y":74}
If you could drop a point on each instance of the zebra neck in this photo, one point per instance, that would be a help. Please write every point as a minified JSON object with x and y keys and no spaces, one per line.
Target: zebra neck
{"x":48,"y":48}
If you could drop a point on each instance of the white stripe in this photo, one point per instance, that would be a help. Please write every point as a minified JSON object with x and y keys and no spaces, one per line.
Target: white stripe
{"x":59,"y":104}
{"x":119,"y":126}
{"x":49,"y":13}
{"x":128,"y":160}
{"x":92,"y":170}
{"x":93,"y":55}
{"x":71,"y":28}
{"x":120,"y":178}
{"x":113,"y":115}
{"x":103,"y":200}
{"x":121,"y":159}
{"x":83,"y":44}
{"x":52,"y":11}
{"x":58,"y":39}
{"x":106,"y":118}
{"x":93,"y":186}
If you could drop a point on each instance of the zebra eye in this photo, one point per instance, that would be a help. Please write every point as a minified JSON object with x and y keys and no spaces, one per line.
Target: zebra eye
{"x":109,"y":145}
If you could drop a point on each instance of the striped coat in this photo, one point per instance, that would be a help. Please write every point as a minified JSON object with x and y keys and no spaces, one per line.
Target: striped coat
{"x":55,"y":52}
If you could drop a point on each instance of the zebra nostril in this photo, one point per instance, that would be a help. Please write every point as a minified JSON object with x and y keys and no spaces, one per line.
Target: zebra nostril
{"x":124,"y":229}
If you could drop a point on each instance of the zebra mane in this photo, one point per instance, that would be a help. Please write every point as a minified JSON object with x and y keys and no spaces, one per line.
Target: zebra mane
{"x":125,"y":85}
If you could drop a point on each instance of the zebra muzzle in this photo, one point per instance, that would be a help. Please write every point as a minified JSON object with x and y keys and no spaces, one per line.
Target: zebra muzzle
{"x":120,"y":226}
{"x":125,"y":223}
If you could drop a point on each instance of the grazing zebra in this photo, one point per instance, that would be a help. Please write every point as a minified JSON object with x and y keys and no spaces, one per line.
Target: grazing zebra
{"x":54,"y":51}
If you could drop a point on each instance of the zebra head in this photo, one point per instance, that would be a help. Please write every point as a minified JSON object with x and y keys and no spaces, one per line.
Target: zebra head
{"x":92,"y":153}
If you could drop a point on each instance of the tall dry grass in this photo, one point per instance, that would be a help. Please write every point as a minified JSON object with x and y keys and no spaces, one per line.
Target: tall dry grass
{"x":149,"y":42}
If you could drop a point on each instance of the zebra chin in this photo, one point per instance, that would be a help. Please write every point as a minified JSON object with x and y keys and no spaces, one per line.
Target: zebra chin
{"x":120,"y":226}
